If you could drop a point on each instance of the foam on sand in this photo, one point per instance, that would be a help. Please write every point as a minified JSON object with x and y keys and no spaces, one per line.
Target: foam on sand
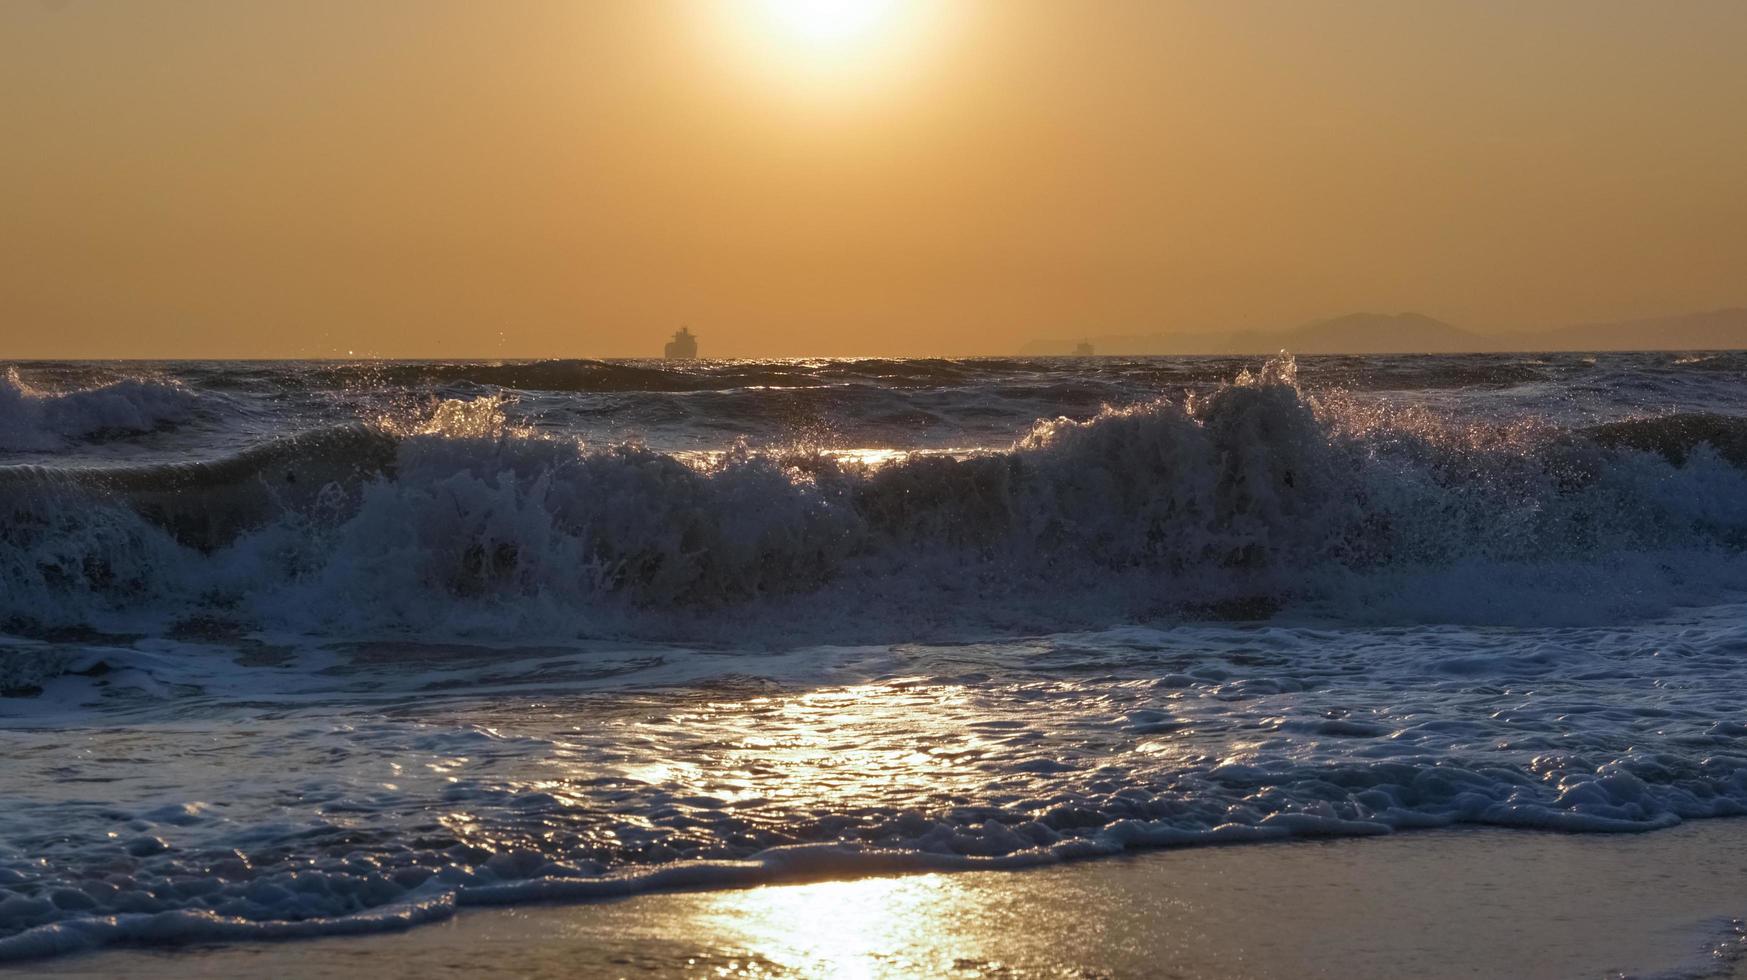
{"x":1435,"y":905}
{"x":350,"y":647}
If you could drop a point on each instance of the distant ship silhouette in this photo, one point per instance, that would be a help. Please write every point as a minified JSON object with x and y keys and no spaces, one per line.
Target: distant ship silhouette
{"x":683,"y":346}
{"x":1083,"y":349}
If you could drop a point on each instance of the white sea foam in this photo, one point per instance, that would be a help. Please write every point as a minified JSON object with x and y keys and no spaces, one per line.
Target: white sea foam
{"x":351,"y":676}
{"x":33,"y":419}
{"x":372,"y":786}
{"x":1253,"y":494}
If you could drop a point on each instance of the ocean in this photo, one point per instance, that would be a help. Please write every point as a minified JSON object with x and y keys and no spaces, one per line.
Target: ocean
{"x":296,"y":649}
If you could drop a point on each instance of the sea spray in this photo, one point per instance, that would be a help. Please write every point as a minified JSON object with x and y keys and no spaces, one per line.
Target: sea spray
{"x":1251,"y":491}
{"x":291,"y":650}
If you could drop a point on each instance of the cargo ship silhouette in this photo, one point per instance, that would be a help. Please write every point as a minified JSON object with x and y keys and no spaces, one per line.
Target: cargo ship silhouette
{"x":683,"y":346}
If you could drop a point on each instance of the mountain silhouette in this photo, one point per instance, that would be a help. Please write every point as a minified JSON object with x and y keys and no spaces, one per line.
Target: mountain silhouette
{"x":1417,"y":333}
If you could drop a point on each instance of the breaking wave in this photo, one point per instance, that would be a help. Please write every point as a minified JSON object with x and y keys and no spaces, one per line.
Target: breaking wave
{"x":1250,"y":496}
{"x":344,"y":647}
{"x":36,"y":420}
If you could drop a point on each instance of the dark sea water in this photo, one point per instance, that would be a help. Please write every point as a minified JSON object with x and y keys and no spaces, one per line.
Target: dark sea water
{"x":302,"y":648}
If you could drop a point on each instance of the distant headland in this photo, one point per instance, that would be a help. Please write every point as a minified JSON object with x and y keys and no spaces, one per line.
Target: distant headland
{"x":1417,"y":333}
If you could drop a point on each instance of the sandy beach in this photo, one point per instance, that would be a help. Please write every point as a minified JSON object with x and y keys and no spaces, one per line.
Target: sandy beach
{"x":1459,"y":903}
{"x":872,"y":489}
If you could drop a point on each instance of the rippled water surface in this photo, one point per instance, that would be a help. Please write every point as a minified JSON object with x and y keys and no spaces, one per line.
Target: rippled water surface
{"x":301,"y":649}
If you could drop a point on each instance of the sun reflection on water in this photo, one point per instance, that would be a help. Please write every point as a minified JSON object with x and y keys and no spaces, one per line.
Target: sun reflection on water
{"x":856,"y":930}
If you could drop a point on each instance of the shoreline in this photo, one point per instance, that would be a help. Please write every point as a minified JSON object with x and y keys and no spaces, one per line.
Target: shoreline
{"x":1453,"y":902}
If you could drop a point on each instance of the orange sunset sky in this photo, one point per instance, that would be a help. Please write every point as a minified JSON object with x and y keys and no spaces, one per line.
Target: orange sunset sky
{"x":455,"y":178}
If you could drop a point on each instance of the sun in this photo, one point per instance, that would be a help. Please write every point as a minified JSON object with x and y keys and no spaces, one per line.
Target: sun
{"x":828,"y":23}
{"x":817,"y":53}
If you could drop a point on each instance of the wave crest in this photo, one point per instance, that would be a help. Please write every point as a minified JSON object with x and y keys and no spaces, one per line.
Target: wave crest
{"x":32,"y":420}
{"x":1253,"y":491}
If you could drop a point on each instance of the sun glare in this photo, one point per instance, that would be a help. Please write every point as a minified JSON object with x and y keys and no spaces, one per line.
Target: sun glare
{"x":828,"y":22}
{"x":814,"y":50}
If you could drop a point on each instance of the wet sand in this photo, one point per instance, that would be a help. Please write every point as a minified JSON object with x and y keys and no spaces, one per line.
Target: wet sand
{"x":1457,"y":903}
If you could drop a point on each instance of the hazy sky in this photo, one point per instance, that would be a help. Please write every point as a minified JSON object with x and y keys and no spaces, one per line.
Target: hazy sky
{"x":464,"y":178}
